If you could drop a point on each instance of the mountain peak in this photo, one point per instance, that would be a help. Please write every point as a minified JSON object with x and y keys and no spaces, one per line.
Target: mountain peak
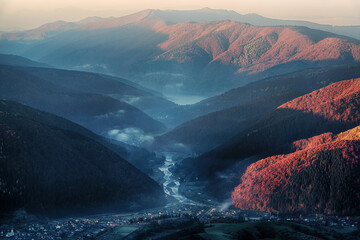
{"x":206,"y":9}
{"x":90,"y":20}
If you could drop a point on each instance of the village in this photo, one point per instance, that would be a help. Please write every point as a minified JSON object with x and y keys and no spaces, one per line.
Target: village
{"x":93,"y":227}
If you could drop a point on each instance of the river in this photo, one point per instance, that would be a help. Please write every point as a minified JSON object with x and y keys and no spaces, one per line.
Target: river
{"x":171,"y":183}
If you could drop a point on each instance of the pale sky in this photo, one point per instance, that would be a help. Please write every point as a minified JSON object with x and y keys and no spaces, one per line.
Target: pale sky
{"x":25,"y":14}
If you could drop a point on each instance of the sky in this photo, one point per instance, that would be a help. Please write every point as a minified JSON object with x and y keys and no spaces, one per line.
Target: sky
{"x":26,"y":14}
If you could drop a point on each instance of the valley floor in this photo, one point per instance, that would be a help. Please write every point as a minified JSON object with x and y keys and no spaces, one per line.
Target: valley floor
{"x":186,"y":222}
{"x":198,"y":218}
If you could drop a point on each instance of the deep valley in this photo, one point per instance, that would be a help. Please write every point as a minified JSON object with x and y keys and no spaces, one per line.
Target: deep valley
{"x":180,"y":124}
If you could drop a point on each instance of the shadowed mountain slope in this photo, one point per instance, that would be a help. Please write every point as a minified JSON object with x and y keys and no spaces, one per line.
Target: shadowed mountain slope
{"x":333,"y":108}
{"x":207,"y":132}
{"x":116,"y":88}
{"x":97,"y":112}
{"x":238,"y":109}
{"x":297,"y":83}
{"x":54,"y":170}
{"x":13,"y":60}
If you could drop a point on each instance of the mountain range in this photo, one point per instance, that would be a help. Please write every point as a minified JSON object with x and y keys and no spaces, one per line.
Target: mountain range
{"x":333,"y":108}
{"x":173,"y":17}
{"x":100,"y":113}
{"x":86,"y":116}
{"x":215,"y":120}
{"x":152,"y":103}
{"x":203,"y":58}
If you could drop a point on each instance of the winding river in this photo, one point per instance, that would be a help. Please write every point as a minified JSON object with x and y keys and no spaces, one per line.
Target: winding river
{"x":171,"y":183}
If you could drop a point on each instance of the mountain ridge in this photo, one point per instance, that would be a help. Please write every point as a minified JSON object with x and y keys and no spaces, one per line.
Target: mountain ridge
{"x":217,"y":119}
{"x":319,"y":178}
{"x":274,"y":133}
{"x":197,"y":57}
{"x":193,"y":15}
{"x":97,"y":112}
{"x":53,"y":171}
{"x":188,"y":57}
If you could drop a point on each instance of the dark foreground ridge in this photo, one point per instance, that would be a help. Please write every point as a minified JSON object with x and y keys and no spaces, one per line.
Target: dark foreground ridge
{"x":52,"y":170}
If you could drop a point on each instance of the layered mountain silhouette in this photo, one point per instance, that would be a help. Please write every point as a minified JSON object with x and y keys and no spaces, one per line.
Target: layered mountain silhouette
{"x":140,"y":158}
{"x":97,"y":112}
{"x":322,"y":176}
{"x":49,"y":30}
{"x":50,"y":166}
{"x":237,"y":109}
{"x":117,"y":88}
{"x":57,"y":83}
{"x":14,"y":60}
{"x":300,"y":82}
{"x":173,"y":17}
{"x":334,"y":108}
{"x":205,"y":57}
{"x":280,"y":122}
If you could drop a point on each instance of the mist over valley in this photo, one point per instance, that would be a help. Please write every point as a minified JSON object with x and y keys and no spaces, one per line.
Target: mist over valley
{"x":180,"y":124}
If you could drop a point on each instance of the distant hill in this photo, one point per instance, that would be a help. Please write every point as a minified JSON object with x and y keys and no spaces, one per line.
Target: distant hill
{"x":298,"y":83}
{"x":208,"y":14}
{"x":237,"y":109}
{"x":47,"y":168}
{"x":116,"y":88}
{"x":173,"y":17}
{"x":14,"y":60}
{"x":48,"y":30}
{"x":322,"y":177}
{"x":203,"y":58}
{"x":206,"y":132}
{"x":99,"y":113}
